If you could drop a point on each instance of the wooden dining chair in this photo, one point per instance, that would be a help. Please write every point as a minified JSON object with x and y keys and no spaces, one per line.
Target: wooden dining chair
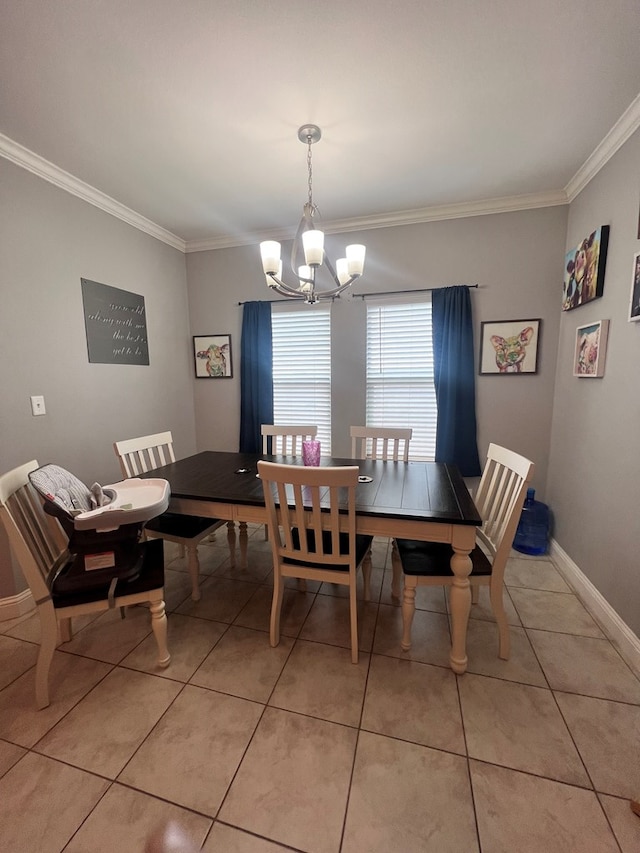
{"x":141,"y":455}
{"x":380,"y":443}
{"x":40,"y":547}
{"x":306,"y":510}
{"x":286,"y":440}
{"x":499,"y":501}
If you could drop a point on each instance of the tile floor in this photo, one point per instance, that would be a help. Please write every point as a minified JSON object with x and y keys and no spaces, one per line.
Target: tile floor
{"x":260,"y":750}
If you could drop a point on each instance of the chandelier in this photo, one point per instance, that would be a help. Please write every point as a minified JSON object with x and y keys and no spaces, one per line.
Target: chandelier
{"x":346,"y":270}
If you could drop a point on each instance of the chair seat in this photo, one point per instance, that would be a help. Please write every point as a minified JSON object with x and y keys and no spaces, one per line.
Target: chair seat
{"x":363,"y":543}
{"x":151,"y":577}
{"x":183,"y":526}
{"x":432,"y":559}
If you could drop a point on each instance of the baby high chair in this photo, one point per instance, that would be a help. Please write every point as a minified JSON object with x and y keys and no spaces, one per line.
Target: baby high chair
{"x":92,"y":560}
{"x":103,"y":525}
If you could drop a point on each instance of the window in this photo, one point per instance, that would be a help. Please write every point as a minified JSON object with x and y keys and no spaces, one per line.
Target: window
{"x":400,"y":389}
{"x":302,"y":369}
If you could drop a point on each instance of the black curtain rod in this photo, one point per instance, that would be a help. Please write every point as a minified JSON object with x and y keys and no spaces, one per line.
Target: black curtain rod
{"x":396,"y":292}
{"x":268,"y":301}
{"x":364,"y":295}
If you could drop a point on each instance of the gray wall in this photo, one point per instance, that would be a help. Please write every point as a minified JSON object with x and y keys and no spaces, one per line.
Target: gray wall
{"x":516,"y":258}
{"x":582,"y":434}
{"x":49,"y":240}
{"x":594,"y":470}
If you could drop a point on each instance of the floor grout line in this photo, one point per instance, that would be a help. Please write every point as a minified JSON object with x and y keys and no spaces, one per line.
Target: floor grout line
{"x":359,"y":728}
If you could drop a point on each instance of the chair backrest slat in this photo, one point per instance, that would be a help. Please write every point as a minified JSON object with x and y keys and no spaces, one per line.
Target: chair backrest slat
{"x":286,"y":440}
{"x":36,"y":538}
{"x":140,"y":455}
{"x":499,"y":501}
{"x":312,"y":500}
{"x":380,"y":443}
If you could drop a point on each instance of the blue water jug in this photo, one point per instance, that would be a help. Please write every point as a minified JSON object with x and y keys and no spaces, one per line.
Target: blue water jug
{"x":532,"y":535}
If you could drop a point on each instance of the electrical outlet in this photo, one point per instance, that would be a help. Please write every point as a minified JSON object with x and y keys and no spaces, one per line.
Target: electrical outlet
{"x":37,"y":406}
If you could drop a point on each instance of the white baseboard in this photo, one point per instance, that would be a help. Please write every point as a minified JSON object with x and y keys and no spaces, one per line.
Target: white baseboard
{"x":16,"y":605}
{"x":620,"y":634}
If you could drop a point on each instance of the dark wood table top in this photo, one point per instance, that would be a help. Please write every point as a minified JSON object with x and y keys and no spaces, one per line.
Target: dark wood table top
{"x":420,"y":491}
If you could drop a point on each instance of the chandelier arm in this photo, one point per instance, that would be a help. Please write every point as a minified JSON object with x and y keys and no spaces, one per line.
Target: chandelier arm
{"x":332,"y":271}
{"x":295,"y":246}
{"x":309,"y":297}
{"x":285,"y":289}
{"x":286,"y":293}
{"x":301,"y":279}
{"x":329,"y":294}
{"x":282,"y":292}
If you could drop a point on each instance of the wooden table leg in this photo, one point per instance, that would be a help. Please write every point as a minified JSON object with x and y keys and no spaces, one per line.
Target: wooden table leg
{"x":244,"y":539}
{"x":408,"y":611}
{"x":231,"y":541}
{"x":460,"y":600}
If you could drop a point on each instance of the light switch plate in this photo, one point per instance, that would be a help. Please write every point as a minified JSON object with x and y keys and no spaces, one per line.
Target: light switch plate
{"x":37,"y":406}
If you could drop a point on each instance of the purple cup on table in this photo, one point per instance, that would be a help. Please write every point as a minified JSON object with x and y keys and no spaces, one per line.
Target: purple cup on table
{"x":311,"y":453}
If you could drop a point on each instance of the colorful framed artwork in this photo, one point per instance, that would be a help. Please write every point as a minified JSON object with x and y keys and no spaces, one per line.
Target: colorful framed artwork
{"x":584,"y":269}
{"x":634,"y":299}
{"x":591,"y":349}
{"x":212,"y":354}
{"x":509,"y":346}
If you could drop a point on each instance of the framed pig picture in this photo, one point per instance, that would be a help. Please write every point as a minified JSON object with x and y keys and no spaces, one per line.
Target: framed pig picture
{"x":509,"y":347}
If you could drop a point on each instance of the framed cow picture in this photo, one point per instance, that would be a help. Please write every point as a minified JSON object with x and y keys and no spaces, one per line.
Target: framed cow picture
{"x":212,"y":355}
{"x":584,"y":269}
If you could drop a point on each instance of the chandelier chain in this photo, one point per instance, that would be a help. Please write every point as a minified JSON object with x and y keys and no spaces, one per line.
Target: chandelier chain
{"x":309,"y":169}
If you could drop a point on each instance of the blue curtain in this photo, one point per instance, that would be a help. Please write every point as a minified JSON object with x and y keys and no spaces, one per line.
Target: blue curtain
{"x":256,"y":375}
{"x":454,"y":376}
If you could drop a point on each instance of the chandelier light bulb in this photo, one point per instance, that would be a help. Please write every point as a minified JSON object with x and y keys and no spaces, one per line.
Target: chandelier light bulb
{"x":313,"y":245}
{"x":355,"y":259}
{"x":270,"y":251}
{"x":304,"y":274}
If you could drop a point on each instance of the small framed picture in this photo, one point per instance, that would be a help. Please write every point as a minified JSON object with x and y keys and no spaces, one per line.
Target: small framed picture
{"x":591,"y":349}
{"x":212,"y":355}
{"x":634,"y":299}
{"x":509,"y":346}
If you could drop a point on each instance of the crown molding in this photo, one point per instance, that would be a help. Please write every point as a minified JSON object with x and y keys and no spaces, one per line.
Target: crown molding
{"x":36,"y":164}
{"x":626,"y":125}
{"x":506,"y":204}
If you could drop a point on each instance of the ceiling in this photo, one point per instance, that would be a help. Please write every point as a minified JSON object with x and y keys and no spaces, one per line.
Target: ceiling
{"x":184,"y":113}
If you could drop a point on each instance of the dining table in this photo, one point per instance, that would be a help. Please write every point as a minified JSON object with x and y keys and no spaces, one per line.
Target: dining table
{"x":410,"y":500}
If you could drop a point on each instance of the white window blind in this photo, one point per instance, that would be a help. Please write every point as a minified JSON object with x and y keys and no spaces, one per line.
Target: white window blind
{"x":400,"y":389}
{"x":302,"y":369}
